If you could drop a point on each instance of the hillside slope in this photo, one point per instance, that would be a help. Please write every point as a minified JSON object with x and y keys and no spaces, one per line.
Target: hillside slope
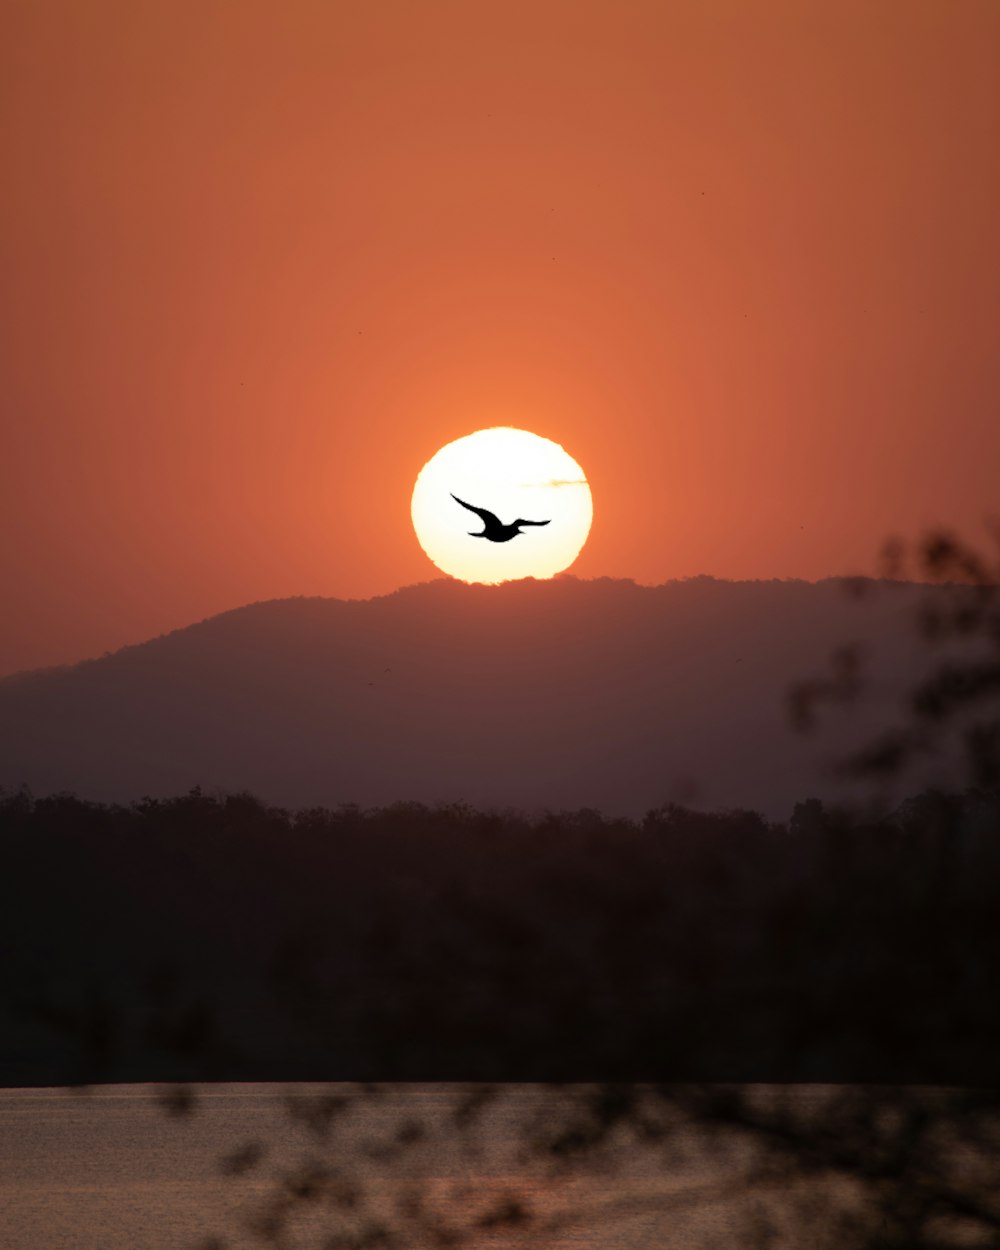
{"x":561,"y":694}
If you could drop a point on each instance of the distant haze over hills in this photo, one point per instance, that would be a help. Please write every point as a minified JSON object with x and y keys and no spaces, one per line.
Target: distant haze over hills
{"x":561,"y":694}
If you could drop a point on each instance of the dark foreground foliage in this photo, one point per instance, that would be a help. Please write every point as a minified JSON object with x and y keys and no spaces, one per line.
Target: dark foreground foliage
{"x":210,"y":937}
{"x":612,"y":1166}
{"x":668,"y":963}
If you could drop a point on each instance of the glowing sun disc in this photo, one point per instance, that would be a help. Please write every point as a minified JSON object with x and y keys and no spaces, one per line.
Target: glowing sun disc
{"x":515,"y":475}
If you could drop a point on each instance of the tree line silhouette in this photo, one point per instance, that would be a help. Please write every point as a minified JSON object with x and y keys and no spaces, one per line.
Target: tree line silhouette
{"x":415,"y":943}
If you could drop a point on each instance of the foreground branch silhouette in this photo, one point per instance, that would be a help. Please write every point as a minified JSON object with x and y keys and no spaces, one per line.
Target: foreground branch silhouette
{"x":679,"y":1026}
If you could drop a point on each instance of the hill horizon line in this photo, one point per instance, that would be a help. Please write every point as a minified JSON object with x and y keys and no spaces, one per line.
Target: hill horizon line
{"x":860,"y":582}
{"x":562,"y":694}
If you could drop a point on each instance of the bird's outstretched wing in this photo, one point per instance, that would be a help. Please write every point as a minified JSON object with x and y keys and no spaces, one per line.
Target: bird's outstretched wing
{"x":486,"y":517}
{"x":522,"y":521}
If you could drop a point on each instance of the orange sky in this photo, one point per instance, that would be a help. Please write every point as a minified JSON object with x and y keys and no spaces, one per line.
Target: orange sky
{"x":259,"y":261}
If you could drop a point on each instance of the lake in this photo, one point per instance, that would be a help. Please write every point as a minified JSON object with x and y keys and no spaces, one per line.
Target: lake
{"x":349,"y":1167}
{"x":116,"y":1168}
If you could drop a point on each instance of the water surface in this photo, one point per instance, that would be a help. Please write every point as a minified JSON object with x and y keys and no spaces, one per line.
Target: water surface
{"x":128,"y":1168}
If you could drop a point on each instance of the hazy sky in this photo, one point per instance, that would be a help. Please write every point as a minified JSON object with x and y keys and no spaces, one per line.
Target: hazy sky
{"x":258,"y":261}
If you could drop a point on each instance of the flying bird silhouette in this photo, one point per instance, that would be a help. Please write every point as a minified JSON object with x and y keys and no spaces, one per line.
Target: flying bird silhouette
{"x":493,"y":530}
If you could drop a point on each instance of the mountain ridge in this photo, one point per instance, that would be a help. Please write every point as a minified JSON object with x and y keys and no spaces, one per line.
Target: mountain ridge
{"x":44,"y":670}
{"x":563,"y":693}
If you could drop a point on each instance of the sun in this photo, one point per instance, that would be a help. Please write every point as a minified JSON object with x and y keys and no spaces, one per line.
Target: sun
{"x":515,"y":476}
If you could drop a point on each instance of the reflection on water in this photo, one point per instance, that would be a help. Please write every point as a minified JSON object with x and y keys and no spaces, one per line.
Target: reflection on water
{"x":112,"y":1168}
{"x":349,"y":1167}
